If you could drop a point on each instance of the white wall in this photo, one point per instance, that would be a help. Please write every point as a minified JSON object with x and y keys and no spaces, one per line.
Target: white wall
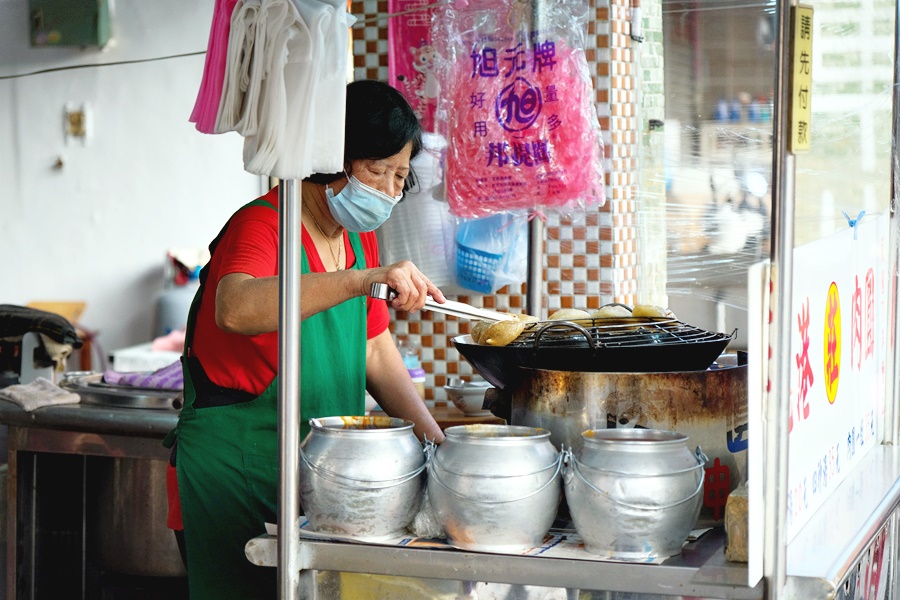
{"x":97,"y":229}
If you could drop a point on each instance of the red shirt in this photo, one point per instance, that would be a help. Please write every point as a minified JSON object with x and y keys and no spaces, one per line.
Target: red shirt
{"x":250,"y":245}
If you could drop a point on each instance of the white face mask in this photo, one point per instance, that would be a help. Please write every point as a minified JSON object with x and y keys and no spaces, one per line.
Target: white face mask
{"x":359,"y":207}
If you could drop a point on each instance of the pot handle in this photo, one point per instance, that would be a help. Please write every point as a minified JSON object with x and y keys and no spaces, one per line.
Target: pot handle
{"x":340,"y":479}
{"x":572,"y":461}
{"x":563,"y":324}
{"x":433,"y":473}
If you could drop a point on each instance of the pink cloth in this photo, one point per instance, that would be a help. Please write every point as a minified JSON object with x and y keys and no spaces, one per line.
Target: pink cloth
{"x":172,"y":342}
{"x":206,"y":106}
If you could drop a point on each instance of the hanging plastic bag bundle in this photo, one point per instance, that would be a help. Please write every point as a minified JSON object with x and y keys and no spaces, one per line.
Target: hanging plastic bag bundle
{"x":492,"y":252}
{"x":517,"y":107}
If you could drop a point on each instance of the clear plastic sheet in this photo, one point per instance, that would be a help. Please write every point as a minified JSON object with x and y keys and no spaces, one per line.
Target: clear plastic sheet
{"x":516,"y":107}
{"x":719,"y":64}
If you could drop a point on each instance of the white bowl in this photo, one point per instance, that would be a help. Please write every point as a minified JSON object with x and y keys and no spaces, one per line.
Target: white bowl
{"x":468,"y":396}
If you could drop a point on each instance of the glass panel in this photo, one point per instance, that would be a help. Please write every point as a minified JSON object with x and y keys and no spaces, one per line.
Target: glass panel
{"x":848,"y":166}
{"x":719,"y":79}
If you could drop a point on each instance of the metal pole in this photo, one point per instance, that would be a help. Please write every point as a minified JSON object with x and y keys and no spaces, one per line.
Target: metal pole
{"x":289,"y":206}
{"x":893,"y":357}
{"x":534,"y":293}
{"x":776,"y":401}
{"x":535,"y":282}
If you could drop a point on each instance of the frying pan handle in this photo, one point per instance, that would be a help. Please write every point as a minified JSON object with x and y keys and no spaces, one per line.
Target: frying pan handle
{"x":559,"y":324}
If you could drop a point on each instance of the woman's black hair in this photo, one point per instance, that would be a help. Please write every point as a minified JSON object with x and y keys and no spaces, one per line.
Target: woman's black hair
{"x":378,"y":124}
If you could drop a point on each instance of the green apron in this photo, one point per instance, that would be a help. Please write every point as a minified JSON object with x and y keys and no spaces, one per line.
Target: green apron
{"x":227,"y":457}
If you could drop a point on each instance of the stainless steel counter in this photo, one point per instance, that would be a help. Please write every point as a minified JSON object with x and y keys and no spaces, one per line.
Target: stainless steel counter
{"x":49,"y":450}
{"x":150,"y":423}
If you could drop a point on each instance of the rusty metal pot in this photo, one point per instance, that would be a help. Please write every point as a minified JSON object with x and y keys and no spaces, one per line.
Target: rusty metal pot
{"x":710,"y":407}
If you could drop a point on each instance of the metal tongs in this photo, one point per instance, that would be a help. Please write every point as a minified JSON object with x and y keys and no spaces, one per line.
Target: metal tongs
{"x":382,"y":291}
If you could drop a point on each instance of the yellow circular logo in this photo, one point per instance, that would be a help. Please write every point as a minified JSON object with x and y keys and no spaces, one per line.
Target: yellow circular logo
{"x":832,"y":352}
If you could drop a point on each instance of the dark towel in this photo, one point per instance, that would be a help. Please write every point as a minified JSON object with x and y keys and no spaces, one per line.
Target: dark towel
{"x":16,"y":321}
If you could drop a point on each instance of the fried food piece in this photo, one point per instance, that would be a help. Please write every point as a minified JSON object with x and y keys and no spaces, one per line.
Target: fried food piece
{"x":649,"y":310}
{"x":502,"y":333}
{"x":569,"y":314}
{"x":611,"y":311}
{"x":478,"y":330}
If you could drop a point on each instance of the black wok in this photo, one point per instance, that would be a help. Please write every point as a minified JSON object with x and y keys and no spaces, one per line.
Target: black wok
{"x":500,"y":364}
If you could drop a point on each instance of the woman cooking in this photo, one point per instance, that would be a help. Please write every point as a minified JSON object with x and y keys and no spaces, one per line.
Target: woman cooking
{"x":227,"y":455}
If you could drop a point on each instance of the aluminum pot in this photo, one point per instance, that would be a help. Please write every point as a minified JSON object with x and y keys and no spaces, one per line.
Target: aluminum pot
{"x":361,"y":477}
{"x":634,"y":494}
{"x":495,"y":488}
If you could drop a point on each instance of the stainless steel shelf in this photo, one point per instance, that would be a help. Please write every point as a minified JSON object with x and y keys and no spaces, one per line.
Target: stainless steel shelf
{"x":701,"y":570}
{"x":819,"y":560}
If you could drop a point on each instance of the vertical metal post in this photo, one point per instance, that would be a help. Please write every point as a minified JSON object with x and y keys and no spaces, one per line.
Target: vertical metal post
{"x":289,"y":206}
{"x":893,"y":357}
{"x":535,"y":282}
{"x":534,"y":293}
{"x":776,"y":405}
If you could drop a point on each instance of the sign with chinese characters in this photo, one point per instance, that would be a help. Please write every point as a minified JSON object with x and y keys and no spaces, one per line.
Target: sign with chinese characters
{"x":801,"y":78}
{"x":517,"y":109}
{"x":411,"y":57}
{"x":838,"y":353}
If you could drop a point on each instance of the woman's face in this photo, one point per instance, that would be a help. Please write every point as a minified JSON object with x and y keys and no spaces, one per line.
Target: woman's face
{"x":386,"y":175}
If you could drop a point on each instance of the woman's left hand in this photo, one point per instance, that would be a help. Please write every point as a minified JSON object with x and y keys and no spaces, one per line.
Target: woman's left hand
{"x":411,"y":285}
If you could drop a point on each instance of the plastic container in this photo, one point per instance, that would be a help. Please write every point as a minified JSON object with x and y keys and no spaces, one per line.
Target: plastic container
{"x":418,"y":379}
{"x":173,"y":305}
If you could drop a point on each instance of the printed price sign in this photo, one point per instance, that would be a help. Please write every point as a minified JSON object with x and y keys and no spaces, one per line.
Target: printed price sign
{"x":801,"y":77}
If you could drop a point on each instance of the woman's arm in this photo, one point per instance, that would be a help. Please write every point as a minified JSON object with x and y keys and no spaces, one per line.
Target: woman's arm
{"x":389,"y":383}
{"x":249,"y":305}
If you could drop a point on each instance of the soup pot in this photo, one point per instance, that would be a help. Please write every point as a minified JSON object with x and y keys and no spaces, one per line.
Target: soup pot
{"x":495,"y":488}
{"x":634,"y":494}
{"x":361,"y":477}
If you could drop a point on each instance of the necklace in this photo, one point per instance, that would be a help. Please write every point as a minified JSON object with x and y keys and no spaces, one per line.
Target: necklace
{"x":335,"y":256}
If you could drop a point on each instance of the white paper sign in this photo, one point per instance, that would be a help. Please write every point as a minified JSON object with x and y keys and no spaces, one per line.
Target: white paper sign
{"x":838,"y":352}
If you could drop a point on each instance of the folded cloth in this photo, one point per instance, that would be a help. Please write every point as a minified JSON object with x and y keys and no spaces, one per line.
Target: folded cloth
{"x":167,"y":378}
{"x":40,"y":392}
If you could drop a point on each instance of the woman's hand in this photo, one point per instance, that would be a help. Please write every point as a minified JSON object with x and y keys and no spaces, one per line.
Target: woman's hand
{"x":411,"y":285}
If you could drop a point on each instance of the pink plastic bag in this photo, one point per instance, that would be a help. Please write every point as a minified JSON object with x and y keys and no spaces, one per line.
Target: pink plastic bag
{"x":517,"y":109}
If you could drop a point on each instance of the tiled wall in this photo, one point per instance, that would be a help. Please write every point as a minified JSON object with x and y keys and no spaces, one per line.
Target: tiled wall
{"x":589,"y":259}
